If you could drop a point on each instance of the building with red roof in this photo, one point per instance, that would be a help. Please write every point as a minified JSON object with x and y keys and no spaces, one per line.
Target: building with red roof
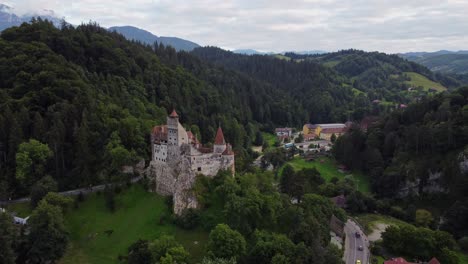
{"x":401,"y":260}
{"x":397,"y":261}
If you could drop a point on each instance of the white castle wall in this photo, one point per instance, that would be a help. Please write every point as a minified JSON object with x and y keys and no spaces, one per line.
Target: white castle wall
{"x":160,"y":152}
{"x":176,"y":163}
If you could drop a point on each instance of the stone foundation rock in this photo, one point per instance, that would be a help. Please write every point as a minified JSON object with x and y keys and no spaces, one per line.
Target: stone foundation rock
{"x":174,"y":179}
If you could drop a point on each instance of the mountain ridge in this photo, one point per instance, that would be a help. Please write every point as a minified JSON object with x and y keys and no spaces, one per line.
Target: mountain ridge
{"x":8,"y":18}
{"x":452,"y":62}
{"x":144,"y":36}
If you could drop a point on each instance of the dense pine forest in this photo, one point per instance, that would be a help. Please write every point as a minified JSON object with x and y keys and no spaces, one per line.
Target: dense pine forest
{"x":425,"y":144}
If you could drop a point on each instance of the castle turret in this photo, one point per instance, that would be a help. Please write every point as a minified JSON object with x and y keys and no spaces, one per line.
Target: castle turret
{"x":219,"y":144}
{"x":172,"y":128}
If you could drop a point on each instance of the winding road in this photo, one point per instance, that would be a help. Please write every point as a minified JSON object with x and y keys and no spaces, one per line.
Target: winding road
{"x":71,"y":192}
{"x":352,"y":244}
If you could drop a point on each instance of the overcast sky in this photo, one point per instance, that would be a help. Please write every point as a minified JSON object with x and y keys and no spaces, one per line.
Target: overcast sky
{"x":278,"y":25}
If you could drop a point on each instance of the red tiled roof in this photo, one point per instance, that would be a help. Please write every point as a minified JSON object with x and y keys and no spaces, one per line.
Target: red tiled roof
{"x":311,"y":126}
{"x":192,"y":138}
{"x":219,"y":139}
{"x":205,"y":150}
{"x":283,"y":129}
{"x":433,"y":261}
{"x":159,"y":132}
{"x":174,"y":114}
{"x":333,"y":130}
{"x":397,"y":261}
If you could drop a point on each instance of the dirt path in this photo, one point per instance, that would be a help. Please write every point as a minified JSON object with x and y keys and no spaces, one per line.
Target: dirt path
{"x":376,"y":234}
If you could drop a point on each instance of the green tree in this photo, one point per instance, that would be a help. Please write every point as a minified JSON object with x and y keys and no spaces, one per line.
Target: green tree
{"x":299,"y":138}
{"x":30,"y":161}
{"x":167,"y":249}
{"x":38,"y":129}
{"x":218,"y":261}
{"x":268,"y":245}
{"x":287,"y":179}
{"x":463,"y":243}
{"x":226,"y":243}
{"x":7,"y":236}
{"x":259,"y":139}
{"x":280,"y":259}
{"x":47,"y":238}
{"x":56,"y":199}
{"x":118,"y":154}
{"x":333,"y":138}
{"x":139,"y":253}
{"x":423,"y":217}
{"x":41,"y":188}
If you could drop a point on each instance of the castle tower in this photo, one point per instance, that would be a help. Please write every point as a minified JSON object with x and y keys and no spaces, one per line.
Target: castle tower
{"x":219,"y":144}
{"x":173,"y":128}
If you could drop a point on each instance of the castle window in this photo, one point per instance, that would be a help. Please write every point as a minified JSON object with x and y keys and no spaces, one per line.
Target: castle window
{"x":199,"y":169}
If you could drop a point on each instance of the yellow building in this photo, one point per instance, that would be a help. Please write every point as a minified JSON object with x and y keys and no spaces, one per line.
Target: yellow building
{"x":323,"y":131}
{"x":310,"y":129}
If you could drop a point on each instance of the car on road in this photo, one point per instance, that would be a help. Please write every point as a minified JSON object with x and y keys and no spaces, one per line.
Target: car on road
{"x":358,"y":235}
{"x":360,"y":248}
{"x":358,"y":261}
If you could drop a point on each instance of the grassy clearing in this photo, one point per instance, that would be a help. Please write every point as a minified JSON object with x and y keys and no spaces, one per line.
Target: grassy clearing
{"x":420,"y":80}
{"x":328,"y":169}
{"x":331,"y":63}
{"x":357,"y":92}
{"x":369,"y":221}
{"x":137,"y":217}
{"x":269,"y":138}
{"x":20,"y":209}
{"x":380,"y":259}
{"x":462,"y":257}
{"x":282,"y":57}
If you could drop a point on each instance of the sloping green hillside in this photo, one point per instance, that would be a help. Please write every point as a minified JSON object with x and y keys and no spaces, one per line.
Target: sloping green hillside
{"x":137,"y":216}
{"x":418,"y":80}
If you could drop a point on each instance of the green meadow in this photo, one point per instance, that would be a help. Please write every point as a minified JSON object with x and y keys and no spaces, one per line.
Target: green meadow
{"x":137,"y":216}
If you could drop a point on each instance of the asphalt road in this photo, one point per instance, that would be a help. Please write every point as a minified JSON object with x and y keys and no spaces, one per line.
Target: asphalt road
{"x":352,"y":243}
{"x":70,"y":192}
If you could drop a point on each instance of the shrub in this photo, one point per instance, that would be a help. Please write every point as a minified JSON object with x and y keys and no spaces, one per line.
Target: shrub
{"x":189,"y":219}
{"x":463,"y":243}
{"x":168,"y":200}
{"x":80,"y":198}
{"x":110,"y":200}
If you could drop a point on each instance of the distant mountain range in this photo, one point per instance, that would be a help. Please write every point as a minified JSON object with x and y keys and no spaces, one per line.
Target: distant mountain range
{"x":441,"y":61}
{"x":8,"y":17}
{"x":134,"y":33}
{"x":256,"y":52}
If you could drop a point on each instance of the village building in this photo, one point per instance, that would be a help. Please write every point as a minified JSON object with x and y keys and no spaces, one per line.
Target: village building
{"x":178,"y":157}
{"x":323,"y":131}
{"x":403,"y":261}
{"x":283,"y":131}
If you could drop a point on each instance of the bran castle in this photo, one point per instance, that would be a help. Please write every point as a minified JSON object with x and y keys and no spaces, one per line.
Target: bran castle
{"x":178,"y":157}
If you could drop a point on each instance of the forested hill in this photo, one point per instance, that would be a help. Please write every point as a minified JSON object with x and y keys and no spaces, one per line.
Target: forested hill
{"x":441,"y":61}
{"x":324,"y":94}
{"x":375,"y":68}
{"x":405,"y":147}
{"x":92,"y":97}
{"x":342,"y":84}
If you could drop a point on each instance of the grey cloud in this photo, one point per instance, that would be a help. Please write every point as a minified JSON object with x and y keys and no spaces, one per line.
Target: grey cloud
{"x":276,"y":25}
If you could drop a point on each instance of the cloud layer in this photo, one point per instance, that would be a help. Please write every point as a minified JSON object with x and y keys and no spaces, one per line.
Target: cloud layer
{"x":278,"y":25}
